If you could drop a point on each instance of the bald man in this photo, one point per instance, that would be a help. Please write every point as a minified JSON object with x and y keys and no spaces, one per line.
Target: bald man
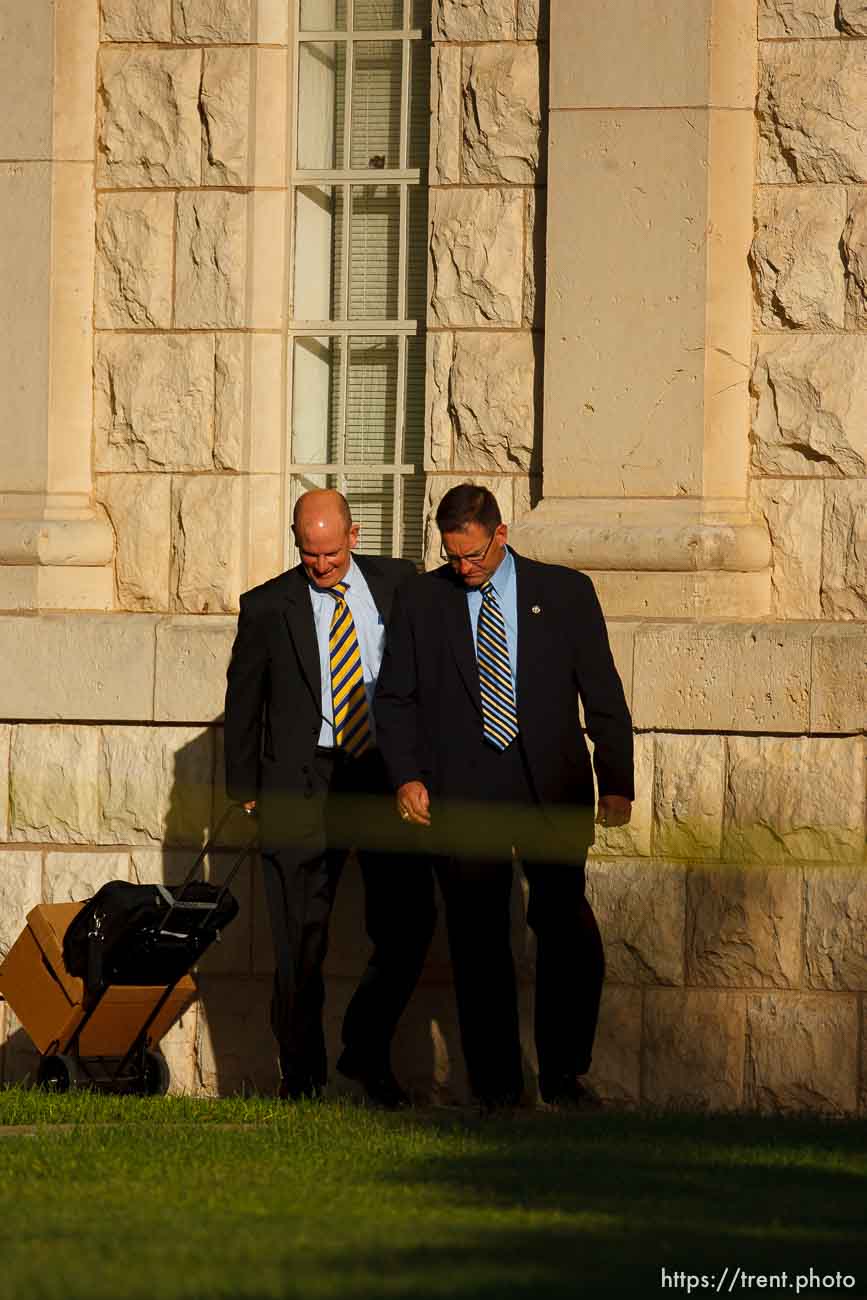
{"x":301,"y":754}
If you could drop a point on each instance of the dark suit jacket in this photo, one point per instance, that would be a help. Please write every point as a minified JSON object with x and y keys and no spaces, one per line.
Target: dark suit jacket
{"x":274,"y":694}
{"x":428,"y":706}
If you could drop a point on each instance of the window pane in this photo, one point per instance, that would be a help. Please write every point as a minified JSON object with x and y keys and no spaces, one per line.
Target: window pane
{"x":371,"y":401}
{"x":374,"y":256}
{"x":321,"y":98}
{"x":419,"y":106}
{"x":413,"y":429}
{"x":371,"y":501}
{"x":323,"y":16}
{"x":318,"y":279}
{"x":416,"y":254}
{"x":376,"y":105}
{"x":412,"y":511}
{"x":316,"y":400}
{"x":420,"y":13}
{"x":381,"y":14}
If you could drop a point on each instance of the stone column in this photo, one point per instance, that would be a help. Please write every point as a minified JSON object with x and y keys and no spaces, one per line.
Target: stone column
{"x":55,"y":549}
{"x":648,"y":307}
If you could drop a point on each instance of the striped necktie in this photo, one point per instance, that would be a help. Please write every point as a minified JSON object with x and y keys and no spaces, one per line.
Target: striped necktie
{"x":499,"y":712}
{"x":348,"y":696}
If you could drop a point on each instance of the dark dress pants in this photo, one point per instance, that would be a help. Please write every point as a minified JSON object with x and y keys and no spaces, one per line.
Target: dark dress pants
{"x":300,"y":885}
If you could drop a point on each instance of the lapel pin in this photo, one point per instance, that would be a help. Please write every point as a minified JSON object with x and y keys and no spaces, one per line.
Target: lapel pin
{"x":537,"y":609}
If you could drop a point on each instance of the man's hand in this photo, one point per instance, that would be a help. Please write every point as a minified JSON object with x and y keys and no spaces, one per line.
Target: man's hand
{"x":413,"y":803}
{"x":614,"y":810}
{"x":249,"y":807}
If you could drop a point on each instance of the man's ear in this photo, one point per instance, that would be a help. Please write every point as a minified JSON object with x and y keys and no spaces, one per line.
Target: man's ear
{"x":501,"y":532}
{"x":353,"y":537}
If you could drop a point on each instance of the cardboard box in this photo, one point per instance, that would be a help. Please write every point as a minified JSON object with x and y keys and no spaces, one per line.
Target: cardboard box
{"x":49,"y":1001}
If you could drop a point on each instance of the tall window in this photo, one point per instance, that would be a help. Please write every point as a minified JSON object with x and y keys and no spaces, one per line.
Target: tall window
{"x":360,"y":261}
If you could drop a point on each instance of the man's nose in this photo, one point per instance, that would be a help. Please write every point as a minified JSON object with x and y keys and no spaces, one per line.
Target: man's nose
{"x":320,"y":564}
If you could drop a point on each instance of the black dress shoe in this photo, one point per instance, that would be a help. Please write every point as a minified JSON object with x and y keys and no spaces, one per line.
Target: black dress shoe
{"x":380,"y":1085}
{"x":570,"y":1094}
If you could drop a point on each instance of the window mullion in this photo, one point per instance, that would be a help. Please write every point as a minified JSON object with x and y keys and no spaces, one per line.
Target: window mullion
{"x":397,"y":519}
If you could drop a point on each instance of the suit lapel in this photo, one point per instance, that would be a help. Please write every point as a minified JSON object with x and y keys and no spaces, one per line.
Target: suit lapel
{"x":533,"y":621}
{"x":459,"y":631}
{"x":299,"y":620}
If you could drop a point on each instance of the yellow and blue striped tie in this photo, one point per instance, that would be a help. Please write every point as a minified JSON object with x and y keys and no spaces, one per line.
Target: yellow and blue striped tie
{"x":348,"y":696}
{"x":499,"y":712}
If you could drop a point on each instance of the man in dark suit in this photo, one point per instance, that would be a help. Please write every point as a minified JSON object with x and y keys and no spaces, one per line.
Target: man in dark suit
{"x":301,"y":753}
{"x":477,"y":718}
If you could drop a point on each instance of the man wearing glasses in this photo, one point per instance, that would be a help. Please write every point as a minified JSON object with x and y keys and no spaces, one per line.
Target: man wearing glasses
{"x":477,"y":719}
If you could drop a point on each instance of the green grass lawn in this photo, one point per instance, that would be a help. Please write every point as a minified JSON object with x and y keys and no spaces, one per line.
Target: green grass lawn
{"x":119,"y":1197}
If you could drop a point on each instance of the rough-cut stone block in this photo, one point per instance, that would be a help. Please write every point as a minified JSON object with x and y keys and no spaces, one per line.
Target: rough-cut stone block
{"x":688,"y":780}
{"x":191,"y":669}
{"x":795,"y":257}
{"x":532,"y":19}
{"x":211,"y":260}
{"x":445,"y":142}
{"x":236,"y":1051}
{"x":148,"y":128}
{"x":835,"y":927}
{"x":794,"y":798}
{"x":5,"y":743}
{"x":138,"y":506}
{"x":134,"y":261}
{"x":206,"y":544}
{"x":72,"y":877}
{"x":491,"y":402}
{"x":808,"y":416}
{"x":838,"y":695}
{"x":136,"y":20}
{"x":437,"y":485}
{"x":438,"y":416}
{"x":640,"y":910}
{"x":725,"y":677}
{"x":264,"y":560}
{"x":53,"y":783}
{"x":844,"y":550}
{"x":802,"y":1052}
{"x":230,"y":385}
{"x":474,"y":20}
{"x":851,"y":17}
{"x":743,"y":926}
{"x":502,"y":116}
{"x":792,"y":509}
{"x":179,"y":1049}
{"x":155,"y":785}
{"x":693,"y":1049}
{"x":533,"y":315}
{"x":20,"y":890}
{"x":812,"y":112}
{"x":247,"y":393}
{"x":225,"y":107}
{"x":477,"y":246}
{"x":796,"y":18}
{"x":855,"y":258}
{"x":211,"y":21}
{"x":154,"y":402}
{"x":616,"y":1069}
{"x":633,"y":840}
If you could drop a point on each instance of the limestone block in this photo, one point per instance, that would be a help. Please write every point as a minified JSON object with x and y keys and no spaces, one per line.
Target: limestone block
{"x":235,"y":1051}
{"x":53,"y":784}
{"x":632,"y":840}
{"x":247,"y":402}
{"x":426,"y":1051}
{"x":616,"y":1069}
{"x":502,"y":115}
{"x":640,"y":910}
{"x":213,"y":21}
{"x":161,"y":866}
{"x":854,"y":250}
{"x":492,"y":402}
{"x":621,"y":638}
{"x":533,"y":316}
{"x":795,"y":257}
{"x":743,"y":926}
{"x":528,"y":494}
{"x":225,"y":107}
{"x":107,"y":666}
{"x":191,"y":662}
{"x":794,"y":798}
{"x":205,"y":575}
{"x":139,"y":506}
{"x":835,"y":927}
{"x":179,"y":1049}
{"x":134,"y":260}
{"x":20,"y":890}
{"x":155,"y":785}
{"x":844,"y":550}
{"x":722,"y":677}
{"x":136,"y":20}
{"x":229,"y":400}
{"x":5,"y":744}
{"x":792,"y":509}
{"x":811,"y":111}
{"x":154,"y":402}
{"x":72,"y":877}
{"x":693,"y":1049}
{"x":808,"y":416}
{"x":688,"y":779}
{"x":210,"y":278}
{"x":148,"y":128}
{"x":852,"y":17}
{"x":477,"y":243}
{"x":532,"y":19}
{"x":838,"y":695}
{"x":438,"y":417}
{"x":264,"y":513}
{"x":474,"y":20}
{"x":437,"y":485}
{"x":801,"y":1052}
{"x":796,"y":18}
{"x":445,"y":141}
{"x":230,"y":954}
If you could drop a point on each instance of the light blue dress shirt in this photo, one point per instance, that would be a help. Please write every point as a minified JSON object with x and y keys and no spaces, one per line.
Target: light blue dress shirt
{"x":505,"y":585}
{"x":370,"y":630}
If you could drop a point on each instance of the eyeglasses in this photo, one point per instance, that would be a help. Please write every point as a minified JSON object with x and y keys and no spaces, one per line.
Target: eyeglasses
{"x":475,"y":560}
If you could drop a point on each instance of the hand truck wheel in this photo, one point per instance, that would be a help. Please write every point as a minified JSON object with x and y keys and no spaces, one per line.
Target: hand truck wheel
{"x":58,"y":1073}
{"x":156,"y":1078}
